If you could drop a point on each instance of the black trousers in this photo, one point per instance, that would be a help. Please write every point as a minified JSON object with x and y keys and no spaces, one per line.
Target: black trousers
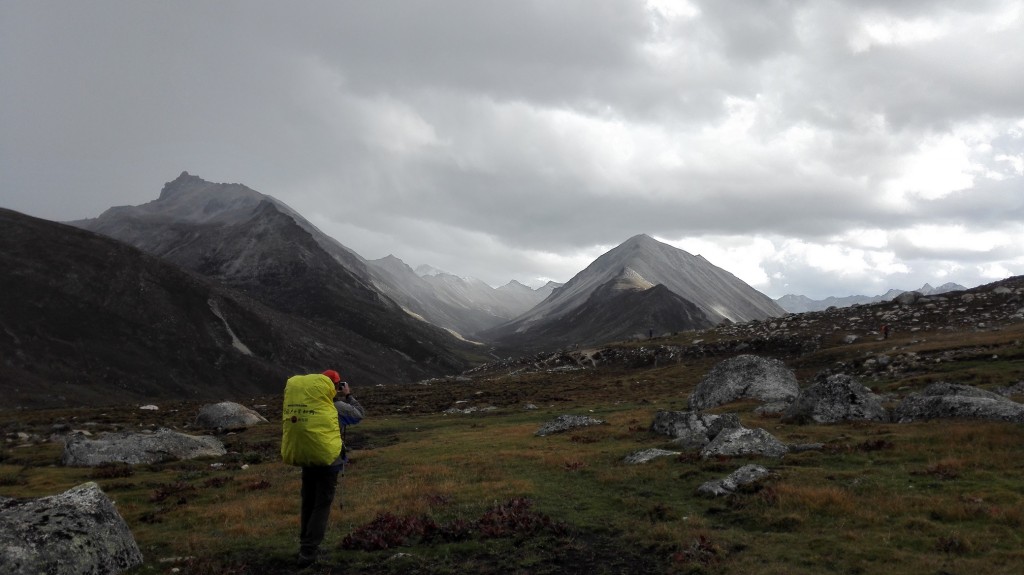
{"x":318,"y":487}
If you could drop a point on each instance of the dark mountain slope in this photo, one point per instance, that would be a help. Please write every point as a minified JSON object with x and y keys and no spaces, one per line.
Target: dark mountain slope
{"x":615,"y":314}
{"x":85,"y":319}
{"x":256,"y":244}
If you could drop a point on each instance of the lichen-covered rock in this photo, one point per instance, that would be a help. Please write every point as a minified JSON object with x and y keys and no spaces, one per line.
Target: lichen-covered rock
{"x":1012,"y":390}
{"x":954,"y":401}
{"x":227,"y":416}
{"x":743,"y":441}
{"x":745,"y":475}
{"x":647,"y":455}
{"x":134,"y":448}
{"x":837,"y":398}
{"x":564,"y":423}
{"x":78,"y":531}
{"x":692,"y":429}
{"x":745,"y":376}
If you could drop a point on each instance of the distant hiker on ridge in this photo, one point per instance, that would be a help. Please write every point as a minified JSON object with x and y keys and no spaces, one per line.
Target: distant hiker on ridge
{"x":312,"y":427}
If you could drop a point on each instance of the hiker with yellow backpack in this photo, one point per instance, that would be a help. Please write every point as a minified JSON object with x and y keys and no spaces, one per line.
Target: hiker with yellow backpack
{"x":312,"y":428}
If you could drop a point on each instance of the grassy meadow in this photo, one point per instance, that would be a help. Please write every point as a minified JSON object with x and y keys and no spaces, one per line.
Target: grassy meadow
{"x":435,"y":493}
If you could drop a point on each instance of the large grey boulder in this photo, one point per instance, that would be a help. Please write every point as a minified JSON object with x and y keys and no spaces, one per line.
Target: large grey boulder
{"x":745,"y":475}
{"x":692,"y":429}
{"x":227,"y":416}
{"x":133,"y":448}
{"x":564,"y":423}
{"x":78,"y":531}
{"x":745,"y":376}
{"x":837,"y":398}
{"x":743,"y":441}
{"x":954,"y":401}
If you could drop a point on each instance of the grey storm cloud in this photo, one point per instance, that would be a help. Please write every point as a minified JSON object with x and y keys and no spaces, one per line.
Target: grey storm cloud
{"x":822,"y":148}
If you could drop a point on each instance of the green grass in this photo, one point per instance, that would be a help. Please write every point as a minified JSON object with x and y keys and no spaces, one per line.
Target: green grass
{"x":927,"y":497}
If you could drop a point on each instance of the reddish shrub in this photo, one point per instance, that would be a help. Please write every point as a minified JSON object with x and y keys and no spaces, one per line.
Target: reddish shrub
{"x":513,"y":518}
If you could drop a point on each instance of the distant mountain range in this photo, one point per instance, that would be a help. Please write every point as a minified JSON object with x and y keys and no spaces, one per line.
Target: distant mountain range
{"x":225,"y":290}
{"x":800,"y":304}
{"x":465,"y":306}
{"x":238,"y":235}
{"x":255,"y":243}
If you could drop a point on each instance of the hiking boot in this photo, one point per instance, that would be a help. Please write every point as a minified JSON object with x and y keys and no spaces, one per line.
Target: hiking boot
{"x":307,"y":560}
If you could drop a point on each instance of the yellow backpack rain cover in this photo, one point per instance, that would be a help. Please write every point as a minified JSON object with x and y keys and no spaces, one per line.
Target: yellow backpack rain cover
{"x":310,"y":433}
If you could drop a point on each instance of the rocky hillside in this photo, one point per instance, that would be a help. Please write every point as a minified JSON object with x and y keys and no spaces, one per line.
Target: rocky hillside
{"x":88,"y":320}
{"x":255,"y":244}
{"x":224,"y":230}
{"x":991,"y":307}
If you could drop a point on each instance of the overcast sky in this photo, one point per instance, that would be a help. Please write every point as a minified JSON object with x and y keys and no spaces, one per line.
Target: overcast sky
{"x":809,"y":147}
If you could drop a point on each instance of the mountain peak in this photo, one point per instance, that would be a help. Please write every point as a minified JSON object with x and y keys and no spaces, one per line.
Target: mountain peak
{"x":182,"y":183}
{"x":429,"y":270}
{"x":640,"y":240}
{"x":632,"y":269}
{"x":514,"y":286}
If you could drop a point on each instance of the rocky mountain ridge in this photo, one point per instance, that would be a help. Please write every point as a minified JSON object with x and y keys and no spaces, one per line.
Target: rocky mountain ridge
{"x":190,"y":223}
{"x":793,"y":303}
{"x":257,"y":244}
{"x":88,"y":320}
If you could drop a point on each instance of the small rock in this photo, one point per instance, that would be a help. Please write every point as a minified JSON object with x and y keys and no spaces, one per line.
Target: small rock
{"x":802,"y":447}
{"x":745,"y":475}
{"x":692,"y":429}
{"x":647,"y":455}
{"x":227,"y":416}
{"x":743,"y":441}
{"x":564,"y":423}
